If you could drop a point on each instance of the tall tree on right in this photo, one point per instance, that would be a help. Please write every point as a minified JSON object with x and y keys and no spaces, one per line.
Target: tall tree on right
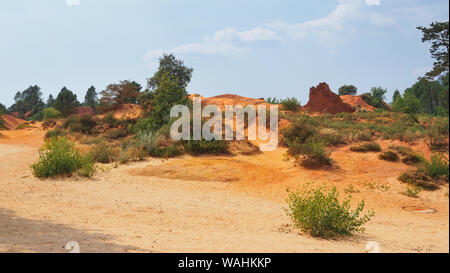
{"x":438,"y":35}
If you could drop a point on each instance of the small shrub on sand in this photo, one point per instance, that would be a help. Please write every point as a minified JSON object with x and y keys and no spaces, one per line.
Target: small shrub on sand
{"x":198,"y":147}
{"x":366,"y":147}
{"x":389,"y":156}
{"x":23,"y":126}
{"x":437,"y":134}
{"x":166,"y":152}
{"x":316,"y":155}
{"x":436,"y":168}
{"x":320,"y":213}
{"x":419,"y":179}
{"x":57,"y":132}
{"x":104,"y":153}
{"x":83,"y":124}
{"x":413,"y":192}
{"x":290,"y":104}
{"x":59,"y":157}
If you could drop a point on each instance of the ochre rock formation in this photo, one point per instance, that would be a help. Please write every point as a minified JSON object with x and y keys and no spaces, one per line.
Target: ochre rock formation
{"x":322,"y":100}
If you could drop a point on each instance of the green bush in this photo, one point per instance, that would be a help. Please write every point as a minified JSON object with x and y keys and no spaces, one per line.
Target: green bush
{"x":437,"y":167}
{"x":118,"y":133}
{"x":83,"y":124}
{"x":290,"y":104}
{"x":59,"y":157}
{"x":320,"y":213}
{"x":366,"y":147}
{"x":419,"y":179}
{"x":2,"y":121}
{"x":389,"y":156}
{"x":437,"y":134}
{"x":57,"y":132}
{"x":50,"y":113}
{"x":166,"y":152}
{"x":104,"y":153}
{"x":412,"y":159}
{"x":198,"y":147}
{"x":299,"y":132}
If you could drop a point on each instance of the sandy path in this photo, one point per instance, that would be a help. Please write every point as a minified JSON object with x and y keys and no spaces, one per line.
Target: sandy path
{"x":118,"y":211}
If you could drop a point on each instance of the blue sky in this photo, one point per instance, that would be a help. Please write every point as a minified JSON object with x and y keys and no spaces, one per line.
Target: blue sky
{"x":249,"y":47}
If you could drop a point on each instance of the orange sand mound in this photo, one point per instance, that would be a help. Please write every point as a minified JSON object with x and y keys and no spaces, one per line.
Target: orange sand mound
{"x":230,"y":99}
{"x":358,"y":102}
{"x":11,"y":122}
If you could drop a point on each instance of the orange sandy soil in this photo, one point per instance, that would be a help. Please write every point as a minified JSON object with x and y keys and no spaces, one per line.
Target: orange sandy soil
{"x":203,"y":204}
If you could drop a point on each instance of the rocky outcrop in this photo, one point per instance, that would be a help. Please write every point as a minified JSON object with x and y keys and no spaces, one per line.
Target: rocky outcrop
{"x":322,"y":100}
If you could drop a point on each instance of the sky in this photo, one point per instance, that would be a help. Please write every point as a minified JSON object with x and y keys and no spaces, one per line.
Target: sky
{"x":254,"y":48}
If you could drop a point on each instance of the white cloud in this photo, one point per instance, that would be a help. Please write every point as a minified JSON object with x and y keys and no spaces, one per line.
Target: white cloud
{"x":345,"y":18}
{"x":221,"y":43}
{"x":373,"y":2}
{"x":73,"y":2}
{"x":256,"y":34}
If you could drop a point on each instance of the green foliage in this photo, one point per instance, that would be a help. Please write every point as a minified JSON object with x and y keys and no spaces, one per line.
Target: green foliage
{"x":300,"y":131}
{"x":437,"y":34}
{"x":272,"y":100}
{"x":198,"y":147}
{"x":57,"y":132}
{"x":437,"y":133}
{"x":173,"y":68}
{"x":389,"y":156}
{"x":83,"y":124}
{"x":437,"y":167}
{"x":347,"y":90}
{"x":320,"y":213}
{"x":66,"y":102}
{"x":50,"y":113}
{"x":2,"y":121}
{"x":419,"y":179}
{"x":121,"y":93}
{"x":30,"y":100}
{"x":59,"y":157}
{"x":90,"y":99}
{"x":376,"y":97}
{"x":290,"y":104}
{"x":366,"y":147}
{"x":118,"y":133}
{"x":104,"y":153}
{"x":408,"y":104}
{"x":413,"y":192}
{"x":316,"y":155}
{"x":165,"y":96}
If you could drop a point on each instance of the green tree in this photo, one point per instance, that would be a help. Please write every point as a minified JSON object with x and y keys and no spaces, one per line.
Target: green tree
{"x":168,"y":94}
{"x":396,"y":95}
{"x":50,"y":101}
{"x":347,"y":90}
{"x":121,"y":93}
{"x":2,"y":108}
{"x":90,"y":99}
{"x":66,"y":102}
{"x":438,"y":35}
{"x":376,"y":97}
{"x":408,"y":104}
{"x":29,"y":100}
{"x":443,"y":96}
{"x":176,"y":70}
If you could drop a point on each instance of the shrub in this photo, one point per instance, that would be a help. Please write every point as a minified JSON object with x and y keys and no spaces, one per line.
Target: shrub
{"x":419,"y":179}
{"x":319,"y":213}
{"x":2,"y":122}
{"x":104,"y":153}
{"x":23,"y":126}
{"x":290,"y":104}
{"x":316,"y":156}
{"x":83,"y":124}
{"x":437,"y":167}
{"x":412,"y":192}
{"x":437,"y":133}
{"x":110,"y":120}
{"x":389,"y":156}
{"x":366,"y":147}
{"x":57,"y":132}
{"x":49,"y":123}
{"x":166,"y":152}
{"x":118,"y":133}
{"x":198,"y":147}
{"x":50,"y":113}
{"x":58,"y":157}
{"x":412,"y":159}
{"x":299,"y":132}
